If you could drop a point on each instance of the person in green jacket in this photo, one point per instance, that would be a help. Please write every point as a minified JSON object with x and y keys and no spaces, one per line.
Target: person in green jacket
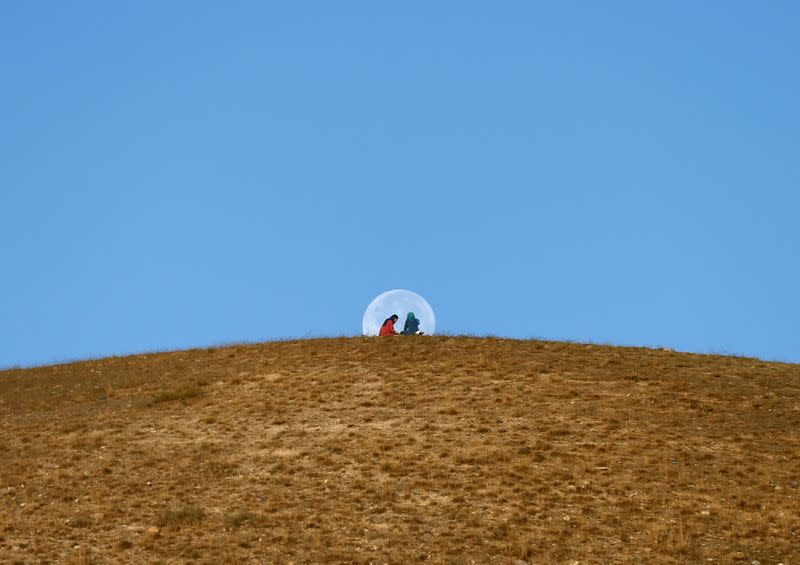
{"x":411,"y":326}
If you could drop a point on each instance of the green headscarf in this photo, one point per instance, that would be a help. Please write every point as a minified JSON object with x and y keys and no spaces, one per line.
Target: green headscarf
{"x":410,"y":316}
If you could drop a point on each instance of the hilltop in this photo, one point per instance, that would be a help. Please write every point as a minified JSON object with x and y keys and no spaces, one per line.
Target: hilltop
{"x":398,"y":450}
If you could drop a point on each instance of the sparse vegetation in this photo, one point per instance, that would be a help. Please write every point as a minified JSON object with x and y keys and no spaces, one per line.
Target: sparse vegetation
{"x":81,"y":521}
{"x":186,"y":514}
{"x":180,"y":392}
{"x":240,"y":519}
{"x":432,"y":449}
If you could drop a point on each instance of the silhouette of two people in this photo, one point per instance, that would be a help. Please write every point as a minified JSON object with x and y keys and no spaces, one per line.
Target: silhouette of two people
{"x":411,"y":327}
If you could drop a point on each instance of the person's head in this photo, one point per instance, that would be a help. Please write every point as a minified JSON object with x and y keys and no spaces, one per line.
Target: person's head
{"x":394,"y":317}
{"x":410,"y":316}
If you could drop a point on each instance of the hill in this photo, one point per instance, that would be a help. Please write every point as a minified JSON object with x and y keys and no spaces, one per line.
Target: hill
{"x":398,"y":450}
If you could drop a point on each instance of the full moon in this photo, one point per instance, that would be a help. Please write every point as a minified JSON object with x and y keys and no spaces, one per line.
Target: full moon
{"x":399,"y":302}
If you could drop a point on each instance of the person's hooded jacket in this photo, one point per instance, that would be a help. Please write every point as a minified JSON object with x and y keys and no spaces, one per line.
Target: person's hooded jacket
{"x":412,"y":324}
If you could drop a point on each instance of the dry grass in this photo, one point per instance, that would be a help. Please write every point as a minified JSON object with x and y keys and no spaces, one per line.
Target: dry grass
{"x":181,"y":392}
{"x":176,"y":517}
{"x":438,"y":449}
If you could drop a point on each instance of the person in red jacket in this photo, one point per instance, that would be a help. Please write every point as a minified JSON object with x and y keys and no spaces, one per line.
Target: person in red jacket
{"x":388,"y":325}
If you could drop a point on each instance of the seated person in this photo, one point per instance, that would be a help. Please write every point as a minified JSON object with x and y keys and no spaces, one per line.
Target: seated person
{"x":388,"y":325}
{"x":411,"y":326}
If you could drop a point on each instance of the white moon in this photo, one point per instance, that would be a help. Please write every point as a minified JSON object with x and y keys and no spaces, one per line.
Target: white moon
{"x":399,"y":302}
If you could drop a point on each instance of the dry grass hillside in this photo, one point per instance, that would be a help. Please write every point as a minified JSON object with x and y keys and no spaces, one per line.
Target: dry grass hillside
{"x":400,"y":450}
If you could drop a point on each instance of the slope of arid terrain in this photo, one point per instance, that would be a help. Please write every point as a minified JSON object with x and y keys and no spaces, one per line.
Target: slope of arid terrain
{"x":399,"y":450}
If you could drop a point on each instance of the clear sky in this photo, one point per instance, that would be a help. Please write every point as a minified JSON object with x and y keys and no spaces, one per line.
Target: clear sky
{"x":186,"y":173}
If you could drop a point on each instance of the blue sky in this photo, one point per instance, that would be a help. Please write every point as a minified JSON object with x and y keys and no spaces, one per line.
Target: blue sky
{"x":178,"y":174}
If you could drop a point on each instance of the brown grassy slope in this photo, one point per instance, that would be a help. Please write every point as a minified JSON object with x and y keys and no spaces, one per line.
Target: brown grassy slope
{"x":402,"y":449}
